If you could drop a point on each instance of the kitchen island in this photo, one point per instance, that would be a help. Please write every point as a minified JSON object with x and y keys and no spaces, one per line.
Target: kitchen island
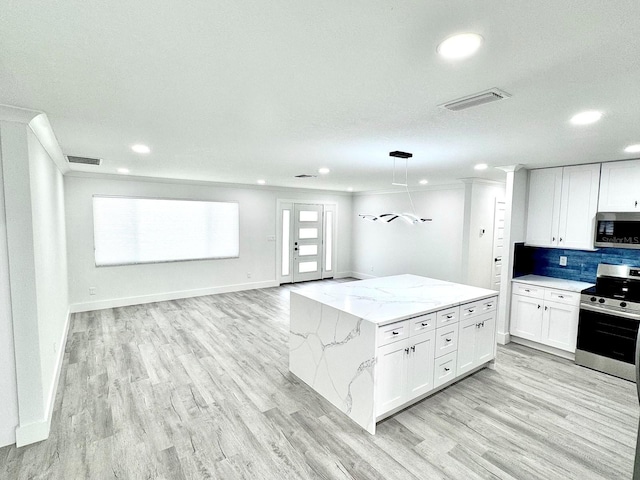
{"x":373,"y":347}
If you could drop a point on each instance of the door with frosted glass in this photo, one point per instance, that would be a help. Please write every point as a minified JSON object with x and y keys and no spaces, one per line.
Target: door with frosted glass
{"x":307,"y":242}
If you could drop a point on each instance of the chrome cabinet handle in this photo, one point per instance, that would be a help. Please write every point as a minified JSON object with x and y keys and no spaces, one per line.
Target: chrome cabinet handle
{"x":424,"y":324}
{"x":446,"y":369}
{"x":449,"y":317}
{"x":546,"y":308}
{"x":527,"y":290}
{"x":447,"y":339}
{"x":538,"y":307}
{"x":407,"y":350}
{"x":489,"y":305}
{"x":413,"y":349}
{"x":560,"y":296}
{"x":395,"y":333}
{"x":471,"y":310}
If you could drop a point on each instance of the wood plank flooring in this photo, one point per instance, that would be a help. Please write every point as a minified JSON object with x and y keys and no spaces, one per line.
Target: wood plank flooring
{"x":199,"y":388}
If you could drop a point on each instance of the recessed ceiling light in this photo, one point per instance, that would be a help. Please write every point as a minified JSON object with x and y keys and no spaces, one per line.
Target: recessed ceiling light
{"x":123,"y":170}
{"x":139,"y":148}
{"x":261,"y":182}
{"x":349,"y":189}
{"x":323,"y":170}
{"x":424,"y":181}
{"x":585,"y":118}
{"x":481,"y":166}
{"x":460,"y":46}
{"x":633,"y":148}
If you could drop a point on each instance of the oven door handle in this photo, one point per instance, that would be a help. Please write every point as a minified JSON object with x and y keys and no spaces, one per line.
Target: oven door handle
{"x":614,"y":313}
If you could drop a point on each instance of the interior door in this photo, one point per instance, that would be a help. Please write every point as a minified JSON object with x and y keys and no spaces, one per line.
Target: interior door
{"x":498,"y":245}
{"x":307,"y":242}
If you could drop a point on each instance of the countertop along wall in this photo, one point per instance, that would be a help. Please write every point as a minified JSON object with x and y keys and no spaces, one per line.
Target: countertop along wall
{"x":133,"y":284}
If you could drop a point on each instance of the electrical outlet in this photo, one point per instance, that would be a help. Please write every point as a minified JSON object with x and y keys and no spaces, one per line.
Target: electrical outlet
{"x":248,"y":274}
{"x":92,"y":290}
{"x":271,"y":238}
{"x":563,"y":261}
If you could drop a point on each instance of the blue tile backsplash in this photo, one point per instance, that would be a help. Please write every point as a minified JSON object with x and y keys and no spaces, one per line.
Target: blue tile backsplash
{"x":581,"y":264}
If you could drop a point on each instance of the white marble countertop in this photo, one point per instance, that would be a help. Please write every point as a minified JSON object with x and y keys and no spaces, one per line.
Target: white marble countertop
{"x":387,"y":299}
{"x":551,"y":282}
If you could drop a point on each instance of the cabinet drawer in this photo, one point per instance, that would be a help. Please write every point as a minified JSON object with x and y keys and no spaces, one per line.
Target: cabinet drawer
{"x":528,"y":290}
{"x":446,"y":339}
{"x":469,"y":310}
{"x":445,"y":369}
{"x":423,"y":323}
{"x":393,"y":332}
{"x":562,"y":296}
{"x":489,"y":305}
{"x":448,"y":316}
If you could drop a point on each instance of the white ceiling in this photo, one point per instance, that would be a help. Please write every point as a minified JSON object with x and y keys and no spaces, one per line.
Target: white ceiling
{"x":236,"y":90}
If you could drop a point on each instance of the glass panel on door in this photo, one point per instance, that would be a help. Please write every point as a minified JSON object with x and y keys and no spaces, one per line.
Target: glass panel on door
{"x":307,"y":242}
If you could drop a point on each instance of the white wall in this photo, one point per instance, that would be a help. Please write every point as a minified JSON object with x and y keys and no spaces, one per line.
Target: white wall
{"x":432,"y":249}
{"x":8,"y":383}
{"x":480,"y":198}
{"x":50,"y":253}
{"x":131,"y":284}
{"x":36,"y":244}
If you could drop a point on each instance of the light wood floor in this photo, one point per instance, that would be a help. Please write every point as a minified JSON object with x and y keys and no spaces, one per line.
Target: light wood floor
{"x":199,"y":388}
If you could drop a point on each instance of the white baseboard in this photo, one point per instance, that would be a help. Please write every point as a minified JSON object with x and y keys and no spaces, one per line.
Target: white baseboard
{"x":544,"y":348}
{"x":38,"y":431}
{"x":162,"y":297}
{"x":503,"y":338}
{"x":362,"y":276}
{"x":344,"y":275}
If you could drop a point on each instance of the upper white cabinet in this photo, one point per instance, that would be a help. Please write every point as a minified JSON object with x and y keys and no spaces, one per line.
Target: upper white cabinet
{"x":619,"y":191}
{"x":562,"y":206}
{"x":545,"y":188}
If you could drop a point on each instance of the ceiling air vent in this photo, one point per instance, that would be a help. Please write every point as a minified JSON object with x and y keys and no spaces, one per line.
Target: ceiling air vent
{"x":304,"y":175}
{"x":476,"y":99}
{"x":84,"y":160}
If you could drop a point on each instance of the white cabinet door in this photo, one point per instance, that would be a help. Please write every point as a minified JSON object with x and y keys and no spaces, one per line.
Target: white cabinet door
{"x":578,"y":206}
{"x":543,"y":216}
{"x":560,"y":326}
{"x":619,"y":190}
{"x":466,"y":345}
{"x":420,"y":366}
{"x":486,"y":340}
{"x":391,"y":376}
{"x":476,"y":342}
{"x":526,"y":317}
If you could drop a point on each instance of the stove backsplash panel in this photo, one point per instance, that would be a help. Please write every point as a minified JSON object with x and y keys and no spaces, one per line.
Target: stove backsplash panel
{"x":581,"y":264}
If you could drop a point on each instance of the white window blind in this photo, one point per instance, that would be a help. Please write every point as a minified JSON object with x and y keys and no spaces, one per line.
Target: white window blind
{"x":148,"y":230}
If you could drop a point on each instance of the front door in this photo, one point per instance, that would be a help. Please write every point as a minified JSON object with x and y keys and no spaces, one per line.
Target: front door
{"x":307,"y":242}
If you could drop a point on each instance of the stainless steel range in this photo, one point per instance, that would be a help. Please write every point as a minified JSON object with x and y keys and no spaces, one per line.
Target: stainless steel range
{"x":609,"y":320}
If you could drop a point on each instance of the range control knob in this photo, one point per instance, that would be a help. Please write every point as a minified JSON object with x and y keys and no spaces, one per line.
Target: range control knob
{"x":593,"y":299}
{"x":601,"y":300}
{"x":623,"y":304}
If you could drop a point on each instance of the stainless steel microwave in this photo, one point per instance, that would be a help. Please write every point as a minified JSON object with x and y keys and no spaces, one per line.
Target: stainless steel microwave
{"x":617,"y":229}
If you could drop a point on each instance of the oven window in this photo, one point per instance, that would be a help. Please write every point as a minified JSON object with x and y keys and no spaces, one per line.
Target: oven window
{"x":607,"y":335}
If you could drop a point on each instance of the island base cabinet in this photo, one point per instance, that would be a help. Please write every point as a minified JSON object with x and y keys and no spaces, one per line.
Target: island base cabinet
{"x":404,"y":371}
{"x":476,"y":343}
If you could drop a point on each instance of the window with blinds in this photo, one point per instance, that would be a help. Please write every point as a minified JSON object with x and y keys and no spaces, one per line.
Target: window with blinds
{"x":130,"y":230}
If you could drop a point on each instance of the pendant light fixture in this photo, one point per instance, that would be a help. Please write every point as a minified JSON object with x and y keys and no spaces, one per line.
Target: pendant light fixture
{"x":410,"y":218}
